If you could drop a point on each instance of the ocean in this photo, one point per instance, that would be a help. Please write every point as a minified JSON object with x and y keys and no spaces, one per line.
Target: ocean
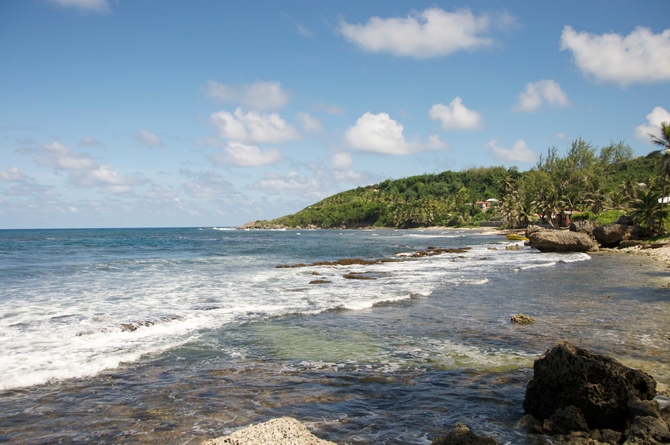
{"x":173,"y":336}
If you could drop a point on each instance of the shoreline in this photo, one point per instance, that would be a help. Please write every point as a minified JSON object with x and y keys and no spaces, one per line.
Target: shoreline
{"x":660,"y":254}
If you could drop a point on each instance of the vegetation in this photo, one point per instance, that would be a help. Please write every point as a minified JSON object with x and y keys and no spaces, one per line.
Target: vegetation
{"x":587,"y":183}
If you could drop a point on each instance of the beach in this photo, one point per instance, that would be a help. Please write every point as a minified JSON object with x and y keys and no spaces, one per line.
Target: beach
{"x":182,"y":335}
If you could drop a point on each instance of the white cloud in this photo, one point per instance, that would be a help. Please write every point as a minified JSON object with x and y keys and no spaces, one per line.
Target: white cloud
{"x":378,"y":133}
{"x":455,"y":116}
{"x":434,"y":143}
{"x":63,"y":158}
{"x":291,"y":183}
{"x":14,"y":174}
{"x":242,"y":155}
{"x":518,"y":153}
{"x":653,"y":125}
{"x":84,"y":171}
{"x":341,"y":161}
{"x":641,"y":56}
{"x":310,"y":124}
{"x":431,"y":33}
{"x":258,"y":95}
{"x":253,"y":127}
{"x":148,"y":139}
{"x":536,"y":93}
{"x":90,"y":142}
{"x":206,"y":184}
{"x":333,"y":109}
{"x":86,"y":5}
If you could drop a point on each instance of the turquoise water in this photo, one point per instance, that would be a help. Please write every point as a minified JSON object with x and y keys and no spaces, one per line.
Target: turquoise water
{"x":177,"y":335}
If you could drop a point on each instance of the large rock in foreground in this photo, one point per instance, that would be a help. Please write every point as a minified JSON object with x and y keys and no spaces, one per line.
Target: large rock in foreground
{"x":610,"y":235}
{"x":283,"y":431}
{"x":561,"y":241}
{"x":597,"y":385}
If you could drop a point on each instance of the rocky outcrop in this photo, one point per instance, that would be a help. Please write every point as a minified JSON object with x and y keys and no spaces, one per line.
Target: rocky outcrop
{"x":585,"y":226}
{"x":610,"y":235}
{"x":522,"y":319}
{"x":463,"y":435}
{"x":283,"y":431}
{"x":575,"y":390}
{"x":561,"y":241}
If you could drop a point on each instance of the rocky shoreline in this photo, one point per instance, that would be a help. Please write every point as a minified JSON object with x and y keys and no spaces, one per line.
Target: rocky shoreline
{"x":575,"y":397}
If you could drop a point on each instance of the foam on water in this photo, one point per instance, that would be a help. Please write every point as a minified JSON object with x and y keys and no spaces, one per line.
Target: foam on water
{"x":79,"y":318}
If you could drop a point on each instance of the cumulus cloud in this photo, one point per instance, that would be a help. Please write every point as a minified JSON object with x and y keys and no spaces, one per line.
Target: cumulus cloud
{"x":333,"y":109}
{"x":242,"y":155}
{"x":540,"y":92}
{"x":378,"y":133}
{"x":205,"y":184}
{"x":272,"y":183}
{"x":641,"y":56}
{"x":14,"y":174}
{"x":148,"y":139}
{"x":518,"y":153}
{"x":455,"y":116}
{"x":310,"y":124}
{"x":431,"y":33}
{"x":84,"y":5}
{"x":341,"y":161}
{"x":84,"y":171}
{"x":253,"y":127}
{"x":257,"y":96}
{"x":653,"y":125}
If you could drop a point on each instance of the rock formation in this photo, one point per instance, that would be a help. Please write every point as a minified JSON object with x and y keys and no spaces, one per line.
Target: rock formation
{"x":522,"y":319}
{"x":561,"y":241}
{"x":586,"y":398}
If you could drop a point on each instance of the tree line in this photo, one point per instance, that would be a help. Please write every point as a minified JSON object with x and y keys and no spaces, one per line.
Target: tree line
{"x":586,"y":182}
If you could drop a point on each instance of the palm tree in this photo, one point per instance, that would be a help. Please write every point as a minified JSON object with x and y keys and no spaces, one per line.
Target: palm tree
{"x":646,"y":207}
{"x":663,"y":141}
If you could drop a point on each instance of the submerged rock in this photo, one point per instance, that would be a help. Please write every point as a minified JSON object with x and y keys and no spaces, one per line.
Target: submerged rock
{"x":523,"y":319}
{"x":561,"y":241}
{"x":463,"y":435}
{"x":597,"y":385}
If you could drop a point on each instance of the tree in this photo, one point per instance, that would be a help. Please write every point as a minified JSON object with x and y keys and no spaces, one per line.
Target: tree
{"x":663,"y":141}
{"x":646,"y":207}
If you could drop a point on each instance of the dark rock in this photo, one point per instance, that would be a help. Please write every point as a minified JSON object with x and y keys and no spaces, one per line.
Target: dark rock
{"x":610,"y":235}
{"x":625,"y":220}
{"x":561,"y":241}
{"x":585,"y":226}
{"x":596,"y":384}
{"x":638,"y":407}
{"x":528,"y":423}
{"x":610,"y":436}
{"x":319,"y":282}
{"x":629,"y":243}
{"x":646,"y":430}
{"x":462,"y":435}
{"x":568,"y":419}
{"x":641,"y":233}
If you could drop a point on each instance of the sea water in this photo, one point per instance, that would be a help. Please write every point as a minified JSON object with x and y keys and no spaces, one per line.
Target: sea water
{"x":177,"y":335}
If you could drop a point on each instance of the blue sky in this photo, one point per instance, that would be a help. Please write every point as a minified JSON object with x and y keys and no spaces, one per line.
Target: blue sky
{"x":120,"y":113}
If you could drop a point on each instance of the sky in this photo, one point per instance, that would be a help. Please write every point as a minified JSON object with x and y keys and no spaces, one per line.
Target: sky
{"x":148,"y":113}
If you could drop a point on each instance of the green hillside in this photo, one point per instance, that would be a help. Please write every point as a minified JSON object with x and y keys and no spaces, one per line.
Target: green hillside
{"x":585,"y":179}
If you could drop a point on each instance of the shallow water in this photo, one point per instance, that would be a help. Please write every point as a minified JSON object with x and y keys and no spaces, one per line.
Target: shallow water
{"x":177,"y":335}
